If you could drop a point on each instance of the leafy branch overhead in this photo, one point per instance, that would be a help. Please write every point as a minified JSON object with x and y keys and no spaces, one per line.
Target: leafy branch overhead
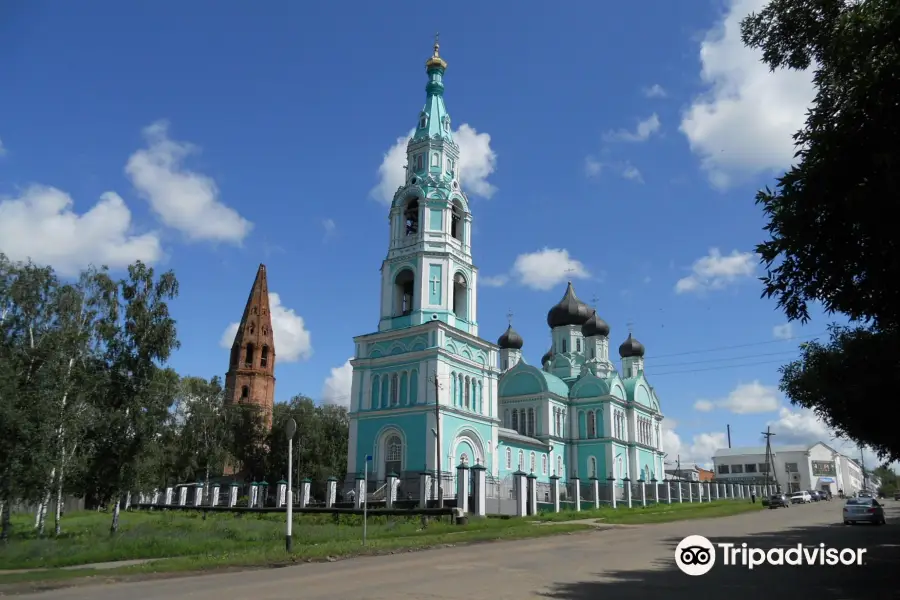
{"x":830,"y":239}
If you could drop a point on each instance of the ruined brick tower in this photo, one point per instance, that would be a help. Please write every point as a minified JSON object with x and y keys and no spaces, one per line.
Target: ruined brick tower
{"x":251,"y":368}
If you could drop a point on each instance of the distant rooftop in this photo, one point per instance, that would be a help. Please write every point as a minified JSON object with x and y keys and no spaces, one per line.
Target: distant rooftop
{"x":759,"y":450}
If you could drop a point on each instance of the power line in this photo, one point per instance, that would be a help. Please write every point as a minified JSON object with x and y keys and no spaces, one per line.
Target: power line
{"x":718,"y":368}
{"x":744,"y":357}
{"x":722,"y":348}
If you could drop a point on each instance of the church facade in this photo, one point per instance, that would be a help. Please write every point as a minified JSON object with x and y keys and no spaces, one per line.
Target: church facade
{"x":428,"y":393}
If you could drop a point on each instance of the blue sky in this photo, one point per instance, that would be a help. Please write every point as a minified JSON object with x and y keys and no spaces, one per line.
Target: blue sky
{"x":622,"y":143}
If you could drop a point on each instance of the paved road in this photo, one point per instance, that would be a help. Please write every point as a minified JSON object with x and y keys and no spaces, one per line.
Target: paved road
{"x":624,"y":564}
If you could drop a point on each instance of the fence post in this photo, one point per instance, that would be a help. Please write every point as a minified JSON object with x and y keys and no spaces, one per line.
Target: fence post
{"x":305,"y":492}
{"x":424,"y":489}
{"x":643,"y":493}
{"x":214,"y":494}
{"x":655,"y":490}
{"x":532,"y":494}
{"x":520,"y":485}
{"x":554,"y":492}
{"x":576,"y":491}
{"x":330,"y":491}
{"x":233,"y":494}
{"x":282,"y":493}
{"x":626,"y":482}
{"x":595,"y":492}
{"x":361,"y":491}
{"x":390,"y":492}
{"x":611,"y":481}
{"x":479,"y":494}
{"x":462,"y":487}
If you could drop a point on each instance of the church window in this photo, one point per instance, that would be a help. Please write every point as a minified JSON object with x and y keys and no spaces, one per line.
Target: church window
{"x":420,"y":162}
{"x":467,"y":388}
{"x":533,"y":464}
{"x":245,"y":393}
{"x":577,"y":345}
{"x":265,"y":330}
{"x":264,"y":357}
{"x":404,"y":292}
{"x":515,"y":420}
{"x":446,"y":123}
{"x":509,"y":458}
{"x":235,"y":355}
{"x":411,"y":216}
{"x":591,"y":425}
{"x":521,"y":460}
{"x":435,"y":160}
{"x":423,"y":121}
{"x":248,"y":356}
{"x":592,"y":353}
{"x":450,"y":165}
{"x":559,"y":466}
{"x":251,"y":329}
{"x":530,"y":430}
{"x":460,"y":296}
{"x":505,"y":364}
{"x":395,"y":390}
{"x":456,"y":221}
{"x":393,"y":455}
{"x":564,"y":345}
{"x":544,"y":464}
{"x":592,"y":466}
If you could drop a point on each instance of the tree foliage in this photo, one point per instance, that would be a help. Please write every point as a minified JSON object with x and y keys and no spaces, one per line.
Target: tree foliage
{"x":831,"y":240}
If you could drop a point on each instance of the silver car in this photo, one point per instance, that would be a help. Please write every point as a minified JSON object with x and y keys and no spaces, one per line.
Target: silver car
{"x":863,"y":510}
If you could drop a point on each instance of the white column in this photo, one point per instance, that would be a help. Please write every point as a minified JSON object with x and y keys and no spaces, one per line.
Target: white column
{"x":462,"y":488}
{"x":576,"y":490}
{"x":643,"y":493}
{"x":532,"y":493}
{"x":680,"y":492}
{"x":233,"y":495}
{"x":595,"y":492}
{"x":331,"y":492}
{"x":360,"y":491}
{"x":554,"y":492}
{"x":424,"y":489}
{"x":627,"y":483}
{"x":169,"y":494}
{"x":479,"y":494}
{"x":282,"y":494}
{"x":254,"y":495}
{"x":305,"y":492}
{"x":182,"y":496}
{"x":198,"y":495}
{"x":214,"y":495}
{"x":521,"y":488}
{"x":611,"y":482}
{"x":390,"y":492}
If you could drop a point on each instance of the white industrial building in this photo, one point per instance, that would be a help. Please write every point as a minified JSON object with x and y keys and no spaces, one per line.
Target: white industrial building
{"x":813,"y":467}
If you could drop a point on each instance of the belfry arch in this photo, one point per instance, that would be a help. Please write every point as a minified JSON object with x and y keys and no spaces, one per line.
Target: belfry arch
{"x":404,"y":292}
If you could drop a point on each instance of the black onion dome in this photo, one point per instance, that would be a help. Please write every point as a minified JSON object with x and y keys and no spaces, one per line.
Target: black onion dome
{"x":569,"y":311}
{"x":511,"y":339}
{"x":547,"y":356}
{"x":595,"y":326}
{"x":631,"y":347}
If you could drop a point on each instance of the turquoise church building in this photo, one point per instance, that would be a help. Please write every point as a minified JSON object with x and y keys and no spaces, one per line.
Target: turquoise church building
{"x":575,"y":415}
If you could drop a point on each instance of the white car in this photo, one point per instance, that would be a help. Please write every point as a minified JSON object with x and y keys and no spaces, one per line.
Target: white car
{"x":801,"y":498}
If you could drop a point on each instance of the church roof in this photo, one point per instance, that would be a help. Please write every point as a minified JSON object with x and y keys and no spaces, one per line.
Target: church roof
{"x":511,"y":339}
{"x":524,"y":379}
{"x":434,"y":121}
{"x":595,"y":326}
{"x":568,"y":311}
{"x":631,"y":347}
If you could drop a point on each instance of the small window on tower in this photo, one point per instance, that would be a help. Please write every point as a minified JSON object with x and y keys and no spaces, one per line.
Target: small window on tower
{"x":450,"y":166}
{"x":423,"y":121}
{"x":252,"y":329}
{"x":245,"y":393}
{"x":264,"y":357}
{"x":248,"y":356}
{"x":447,"y":124}
{"x":420,"y":162}
{"x":578,"y":345}
{"x":411,"y":216}
{"x":456,"y":221}
{"x":435,"y":160}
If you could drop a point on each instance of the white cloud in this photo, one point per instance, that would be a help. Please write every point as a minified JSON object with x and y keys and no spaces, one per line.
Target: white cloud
{"x":714,"y":271}
{"x":42,"y":225}
{"x":698,"y":451}
{"x":745,"y":399}
{"x":493,"y":281}
{"x":783,"y":332}
{"x":547,"y":268}
{"x":594,"y":167}
{"x":330,"y":227}
{"x":477,"y":161}
{"x":292,"y":340}
{"x":642,"y":132}
{"x":183,"y":200}
{"x":336,"y":389}
{"x":744,"y":122}
{"x":802,"y":426}
{"x":655,"y":91}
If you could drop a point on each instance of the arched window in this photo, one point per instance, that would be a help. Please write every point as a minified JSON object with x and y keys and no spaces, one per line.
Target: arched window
{"x":248,"y":356}
{"x":435,"y":160}
{"x":533,"y":463}
{"x":509,"y":458}
{"x":395,"y":390}
{"x":515,"y":420}
{"x":544,"y":464}
{"x":245,"y":393}
{"x":393,"y":454}
{"x":456,"y":221}
{"x":592,"y":466}
{"x":404,"y":292}
{"x":423,"y":121}
{"x":521,"y":460}
{"x":264,"y":357}
{"x":235,"y":355}
{"x":460,"y":297}
{"x":564,"y":346}
{"x":468,"y":388}
{"x":578,"y":345}
{"x":530,"y":429}
{"x":591,"y":424}
{"x":411,"y":216}
{"x":251,"y":329}
{"x":559,"y":466}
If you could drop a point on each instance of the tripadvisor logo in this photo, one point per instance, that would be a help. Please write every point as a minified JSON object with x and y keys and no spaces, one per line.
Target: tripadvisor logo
{"x":696,"y":555}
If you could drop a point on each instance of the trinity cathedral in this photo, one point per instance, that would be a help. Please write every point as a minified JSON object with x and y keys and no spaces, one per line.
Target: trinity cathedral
{"x":575,"y":415}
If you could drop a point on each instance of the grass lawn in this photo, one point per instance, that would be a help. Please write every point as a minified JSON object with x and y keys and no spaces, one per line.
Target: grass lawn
{"x":657,"y":513}
{"x":186,"y":542}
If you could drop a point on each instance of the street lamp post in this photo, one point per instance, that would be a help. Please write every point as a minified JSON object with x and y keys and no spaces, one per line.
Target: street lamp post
{"x":289,"y":431}
{"x":365,"y":498}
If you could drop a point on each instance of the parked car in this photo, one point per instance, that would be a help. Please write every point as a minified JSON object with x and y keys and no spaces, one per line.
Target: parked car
{"x":778,"y":501}
{"x":863,"y":510}
{"x":814,"y":495}
{"x":896,"y":495}
{"x":801,"y":498}
{"x":826,"y":494}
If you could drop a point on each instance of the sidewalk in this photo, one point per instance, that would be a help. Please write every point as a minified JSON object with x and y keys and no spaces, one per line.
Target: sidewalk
{"x":96,"y":566}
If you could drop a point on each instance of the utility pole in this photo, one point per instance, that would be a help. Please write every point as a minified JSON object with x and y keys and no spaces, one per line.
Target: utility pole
{"x":678,"y":467}
{"x":439,"y":474}
{"x":770,"y":461}
{"x":862,"y":463}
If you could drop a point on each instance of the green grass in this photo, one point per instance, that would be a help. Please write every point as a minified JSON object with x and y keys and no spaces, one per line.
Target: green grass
{"x":187,"y":542}
{"x":657,"y":513}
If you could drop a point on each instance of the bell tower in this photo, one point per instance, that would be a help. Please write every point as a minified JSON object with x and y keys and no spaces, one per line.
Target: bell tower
{"x":428,"y":273}
{"x":251,"y":367}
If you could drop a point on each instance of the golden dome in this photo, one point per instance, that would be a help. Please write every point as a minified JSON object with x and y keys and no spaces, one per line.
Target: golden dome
{"x":436,"y":60}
